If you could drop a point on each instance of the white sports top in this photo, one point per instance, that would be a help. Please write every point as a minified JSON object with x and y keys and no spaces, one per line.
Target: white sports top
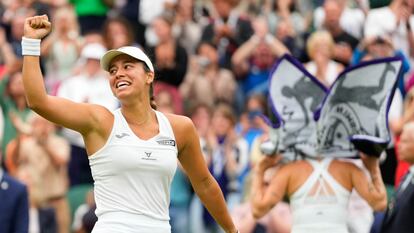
{"x":132,"y":179}
{"x":320,"y":204}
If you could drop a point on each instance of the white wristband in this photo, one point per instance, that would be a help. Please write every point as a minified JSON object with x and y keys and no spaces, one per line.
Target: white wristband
{"x":30,"y":47}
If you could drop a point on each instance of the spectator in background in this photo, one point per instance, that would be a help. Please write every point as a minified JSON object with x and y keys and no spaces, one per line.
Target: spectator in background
{"x":393,"y":21}
{"x":228,"y":30}
{"x":286,"y":23}
{"x":16,"y":33}
{"x":129,"y":9}
{"x":187,"y":26}
{"x":8,"y":60}
{"x":117,"y":32}
{"x":344,"y":42}
{"x":14,"y":208}
{"x":169,"y":57}
{"x":375,"y":47}
{"x":285,"y":11}
{"x":200,"y":114}
{"x":12,"y":101}
{"x":61,"y":48}
{"x":251,"y":124}
{"x":321,"y":47}
{"x":407,"y":117}
{"x":228,"y":158}
{"x":84,"y":218}
{"x":398,"y":217}
{"x":44,"y":156}
{"x":351,"y":19}
{"x":91,"y":13}
{"x":205,"y":81}
{"x":90,"y":86}
{"x":254,"y":59}
{"x":41,"y":218}
{"x":148,"y":11}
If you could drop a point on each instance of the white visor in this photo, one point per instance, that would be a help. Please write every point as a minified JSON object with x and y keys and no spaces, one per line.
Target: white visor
{"x":132,"y":51}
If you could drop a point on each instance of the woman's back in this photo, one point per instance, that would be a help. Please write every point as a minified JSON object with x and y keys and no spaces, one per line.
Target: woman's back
{"x":319,"y":196}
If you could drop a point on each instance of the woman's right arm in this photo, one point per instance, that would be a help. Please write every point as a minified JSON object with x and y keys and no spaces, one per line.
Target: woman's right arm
{"x":372,"y":188}
{"x":76,"y":116}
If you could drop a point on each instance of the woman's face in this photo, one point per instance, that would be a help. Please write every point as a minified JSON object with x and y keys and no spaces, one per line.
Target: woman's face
{"x":118,"y":35}
{"x":201,"y":119}
{"x":209,"y":52}
{"x":322,"y":48}
{"x":127,"y":77}
{"x":221,"y":124}
{"x":223,"y":7}
{"x":162,"y":29}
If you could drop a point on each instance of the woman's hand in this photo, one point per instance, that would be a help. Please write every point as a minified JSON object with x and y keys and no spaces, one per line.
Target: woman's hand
{"x":37,"y":27}
{"x":267,"y":162}
{"x":370,"y":162}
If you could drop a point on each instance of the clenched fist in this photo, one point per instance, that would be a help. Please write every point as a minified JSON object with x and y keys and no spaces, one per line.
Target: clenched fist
{"x":37,"y":27}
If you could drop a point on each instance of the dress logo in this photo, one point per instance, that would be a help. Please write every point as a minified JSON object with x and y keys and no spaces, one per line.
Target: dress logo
{"x":148,"y":156}
{"x":166,"y":142}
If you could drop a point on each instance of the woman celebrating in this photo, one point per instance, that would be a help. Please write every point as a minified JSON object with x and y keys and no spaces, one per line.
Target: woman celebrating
{"x":133,"y":150}
{"x":318,"y":190}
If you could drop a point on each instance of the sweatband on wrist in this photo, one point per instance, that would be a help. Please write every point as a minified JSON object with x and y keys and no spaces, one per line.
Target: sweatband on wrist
{"x":30,"y":47}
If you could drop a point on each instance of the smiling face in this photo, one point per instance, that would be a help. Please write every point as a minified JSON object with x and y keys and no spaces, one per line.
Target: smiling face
{"x":128,"y":78}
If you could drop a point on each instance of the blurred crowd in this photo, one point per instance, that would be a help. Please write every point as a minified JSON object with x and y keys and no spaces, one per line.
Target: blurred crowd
{"x":212,"y":63}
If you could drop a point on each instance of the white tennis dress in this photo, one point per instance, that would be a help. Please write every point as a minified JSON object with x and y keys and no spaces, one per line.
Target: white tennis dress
{"x":320,"y":205}
{"x":132,"y":179}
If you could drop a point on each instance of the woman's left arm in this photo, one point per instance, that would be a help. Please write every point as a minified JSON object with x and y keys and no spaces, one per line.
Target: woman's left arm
{"x":204,"y":184}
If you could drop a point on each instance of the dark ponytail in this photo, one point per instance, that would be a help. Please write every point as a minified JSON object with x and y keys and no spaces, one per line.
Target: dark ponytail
{"x":151,"y":90}
{"x":152,"y":98}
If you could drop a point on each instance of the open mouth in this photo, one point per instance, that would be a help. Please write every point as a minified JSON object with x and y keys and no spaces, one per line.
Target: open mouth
{"x":122,"y":84}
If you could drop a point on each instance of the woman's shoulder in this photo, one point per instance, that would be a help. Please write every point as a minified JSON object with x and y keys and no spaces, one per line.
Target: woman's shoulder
{"x":344,"y":164}
{"x":179,"y":123}
{"x":297,"y":165}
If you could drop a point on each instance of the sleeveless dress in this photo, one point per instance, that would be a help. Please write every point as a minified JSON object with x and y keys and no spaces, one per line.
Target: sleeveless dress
{"x":133,"y":178}
{"x":320,"y":205}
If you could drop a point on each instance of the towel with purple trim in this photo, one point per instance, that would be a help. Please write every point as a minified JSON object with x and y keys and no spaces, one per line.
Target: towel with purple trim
{"x":349,"y":117}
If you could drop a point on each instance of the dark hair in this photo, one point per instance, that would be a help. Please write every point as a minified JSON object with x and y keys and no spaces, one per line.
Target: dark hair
{"x":151,"y":90}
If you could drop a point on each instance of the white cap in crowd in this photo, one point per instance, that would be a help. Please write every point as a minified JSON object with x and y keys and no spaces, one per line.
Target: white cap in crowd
{"x":93,"y":51}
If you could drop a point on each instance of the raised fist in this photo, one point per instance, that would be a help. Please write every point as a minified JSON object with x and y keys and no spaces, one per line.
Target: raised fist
{"x":37,"y":27}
